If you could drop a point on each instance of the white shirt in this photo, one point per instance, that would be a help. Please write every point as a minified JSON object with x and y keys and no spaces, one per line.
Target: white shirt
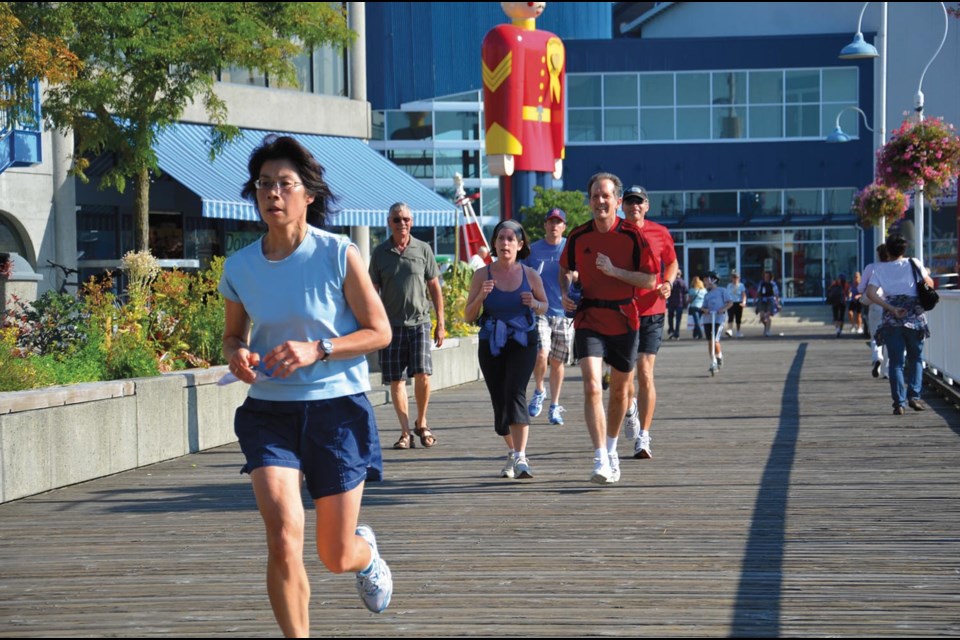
{"x":896,"y":278}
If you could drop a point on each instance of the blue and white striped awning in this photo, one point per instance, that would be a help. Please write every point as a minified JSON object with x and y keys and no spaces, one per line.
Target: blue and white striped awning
{"x":365,"y":183}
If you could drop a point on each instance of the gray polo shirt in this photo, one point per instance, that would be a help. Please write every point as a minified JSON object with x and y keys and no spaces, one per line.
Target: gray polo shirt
{"x":402,"y":279}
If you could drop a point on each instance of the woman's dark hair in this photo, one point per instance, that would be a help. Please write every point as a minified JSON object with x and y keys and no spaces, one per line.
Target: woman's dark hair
{"x":276,"y":147}
{"x":517,"y":228}
{"x":896,"y":246}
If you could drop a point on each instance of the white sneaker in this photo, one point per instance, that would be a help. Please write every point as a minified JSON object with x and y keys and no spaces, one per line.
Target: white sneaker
{"x":614,"y":467}
{"x":728,"y":333}
{"x":601,"y":471}
{"x":631,"y":423}
{"x":508,"y":470}
{"x":376,"y":585}
{"x":739,"y":334}
{"x":641,"y":449}
{"x":521,"y":469}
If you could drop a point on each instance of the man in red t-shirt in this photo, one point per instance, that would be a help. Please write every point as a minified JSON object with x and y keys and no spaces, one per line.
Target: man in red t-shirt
{"x":607,"y":255}
{"x":661,"y":259}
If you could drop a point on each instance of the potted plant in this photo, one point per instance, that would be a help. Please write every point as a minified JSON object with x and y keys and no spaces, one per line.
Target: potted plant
{"x":878,"y":201}
{"x":924,"y":154}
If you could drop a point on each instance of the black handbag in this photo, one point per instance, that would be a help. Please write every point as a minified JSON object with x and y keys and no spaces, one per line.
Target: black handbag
{"x":927,"y":295}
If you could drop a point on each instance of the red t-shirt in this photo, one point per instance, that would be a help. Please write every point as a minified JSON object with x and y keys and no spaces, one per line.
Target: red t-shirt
{"x":661,"y":253}
{"x":625,"y":247}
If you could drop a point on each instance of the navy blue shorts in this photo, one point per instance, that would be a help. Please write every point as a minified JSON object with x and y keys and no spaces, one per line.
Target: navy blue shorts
{"x":620,"y":352}
{"x":651,"y":334}
{"x":333,"y":442}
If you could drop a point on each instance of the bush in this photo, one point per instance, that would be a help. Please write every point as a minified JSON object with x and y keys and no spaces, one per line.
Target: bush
{"x":456,"y":287}
{"x":573,"y":203}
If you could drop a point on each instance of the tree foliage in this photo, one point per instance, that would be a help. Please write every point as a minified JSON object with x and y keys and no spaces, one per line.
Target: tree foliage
{"x":143,"y":63}
{"x":573,"y":203}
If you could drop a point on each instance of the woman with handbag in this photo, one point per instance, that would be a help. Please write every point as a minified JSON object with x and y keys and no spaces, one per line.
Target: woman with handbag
{"x":904,"y":325}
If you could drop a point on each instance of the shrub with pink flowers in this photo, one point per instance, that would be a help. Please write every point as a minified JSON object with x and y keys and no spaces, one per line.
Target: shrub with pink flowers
{"x":920,"y":154}
{"x":878,"y":201}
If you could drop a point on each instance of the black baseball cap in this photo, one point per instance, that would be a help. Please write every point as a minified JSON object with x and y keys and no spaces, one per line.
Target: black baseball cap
{"x":635,"y":192}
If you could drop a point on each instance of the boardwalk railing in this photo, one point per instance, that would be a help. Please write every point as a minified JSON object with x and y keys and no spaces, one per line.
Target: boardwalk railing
{"x":942,"y":350}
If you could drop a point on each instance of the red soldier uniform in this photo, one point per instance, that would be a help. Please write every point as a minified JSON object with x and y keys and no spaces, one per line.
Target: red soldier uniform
{"x":523,"y":86}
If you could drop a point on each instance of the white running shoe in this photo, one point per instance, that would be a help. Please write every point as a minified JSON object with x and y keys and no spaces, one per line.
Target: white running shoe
{"x":631,"y":423}
{"x":728,"y":333}
{"x":641,"y":449}
{"x":376,"y":585}
{"x":739,"y":334}
{"x":614,"y":467}
{"x":601,"y":471}
{"x":508,"y":470}
{"x":521,"y":469}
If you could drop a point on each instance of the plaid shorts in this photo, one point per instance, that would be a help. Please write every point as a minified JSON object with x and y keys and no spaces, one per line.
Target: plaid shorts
{"x":556,"y":334}
{"x":409,"y":349}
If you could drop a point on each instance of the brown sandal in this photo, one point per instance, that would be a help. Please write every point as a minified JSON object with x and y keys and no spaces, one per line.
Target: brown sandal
{"x":405,"y":441}
{"x":426,"y":436}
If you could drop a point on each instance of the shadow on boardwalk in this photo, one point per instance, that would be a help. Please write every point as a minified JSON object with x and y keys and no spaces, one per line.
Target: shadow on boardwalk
{"x":784,"y":499}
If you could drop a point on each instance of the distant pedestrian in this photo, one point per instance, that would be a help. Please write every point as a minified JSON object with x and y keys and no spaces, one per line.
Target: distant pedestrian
{"x":875,"y":315}
{"x":715,"y":306}
{"x":676,"y":304}
{"x":404,"y":271}
{"x":505,"y":296}
{"x":768,"y":301}
{"x":554,"y":328}
{"x":904,"y":324}
{"x":738,"y":293}
{"x":697,"y":292}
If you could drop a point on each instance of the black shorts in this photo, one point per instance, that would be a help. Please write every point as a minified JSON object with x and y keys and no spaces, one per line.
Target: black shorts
{"x":620,"y":352}
{"x":651,"y":334}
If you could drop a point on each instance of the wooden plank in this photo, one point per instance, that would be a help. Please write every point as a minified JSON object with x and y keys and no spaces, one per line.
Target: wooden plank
{"x":784,"y":499}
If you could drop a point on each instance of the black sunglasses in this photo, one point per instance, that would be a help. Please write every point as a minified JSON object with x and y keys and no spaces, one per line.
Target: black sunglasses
{"x":635,"y":199}
{"x":398,"y":220}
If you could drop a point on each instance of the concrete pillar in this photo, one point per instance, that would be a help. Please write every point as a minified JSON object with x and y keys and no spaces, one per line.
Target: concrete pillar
{"x":64,"y":201}
{"x":357,"y":55}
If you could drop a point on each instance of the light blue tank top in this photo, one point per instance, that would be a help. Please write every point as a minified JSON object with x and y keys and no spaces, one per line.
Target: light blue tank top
{"x":298,"y":298}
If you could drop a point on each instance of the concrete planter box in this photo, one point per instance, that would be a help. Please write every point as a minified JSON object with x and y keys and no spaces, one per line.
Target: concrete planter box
{"x":55,"y":437}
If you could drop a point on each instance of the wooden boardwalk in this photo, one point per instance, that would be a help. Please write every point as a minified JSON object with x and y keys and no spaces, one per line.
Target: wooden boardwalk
{"x":784,"y":500}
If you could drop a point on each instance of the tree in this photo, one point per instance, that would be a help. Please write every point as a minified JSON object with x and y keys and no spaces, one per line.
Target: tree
{"x":573,"y":203}
{"x":144,"y":62}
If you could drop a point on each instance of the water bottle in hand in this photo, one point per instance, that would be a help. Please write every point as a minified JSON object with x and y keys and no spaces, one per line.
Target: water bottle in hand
{"x":575,"y":293}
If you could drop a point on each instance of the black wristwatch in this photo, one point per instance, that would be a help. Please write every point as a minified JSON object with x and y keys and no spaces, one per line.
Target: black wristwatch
{"x":326,"y":348}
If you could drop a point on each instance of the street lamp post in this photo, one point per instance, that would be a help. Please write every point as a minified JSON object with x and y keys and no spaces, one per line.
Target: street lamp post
{"x":859,"y":50}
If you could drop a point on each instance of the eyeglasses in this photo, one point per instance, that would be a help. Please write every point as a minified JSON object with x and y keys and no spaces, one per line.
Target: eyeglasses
{"x":398,"y":220}
{"x":284,"y":186}
{"x":634,"y":201}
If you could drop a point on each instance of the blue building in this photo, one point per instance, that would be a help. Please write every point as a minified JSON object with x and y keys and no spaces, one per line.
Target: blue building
{"x":719,"y":109}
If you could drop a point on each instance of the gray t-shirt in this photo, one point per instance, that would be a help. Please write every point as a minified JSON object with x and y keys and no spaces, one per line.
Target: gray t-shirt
{"x":402,"y":279}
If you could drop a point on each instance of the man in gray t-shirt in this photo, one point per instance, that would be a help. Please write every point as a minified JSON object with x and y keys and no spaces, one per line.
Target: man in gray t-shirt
{"x":405,"y":273}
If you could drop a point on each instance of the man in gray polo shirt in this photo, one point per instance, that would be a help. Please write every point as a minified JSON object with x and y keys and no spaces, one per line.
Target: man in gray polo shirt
{"x":404,"y":271}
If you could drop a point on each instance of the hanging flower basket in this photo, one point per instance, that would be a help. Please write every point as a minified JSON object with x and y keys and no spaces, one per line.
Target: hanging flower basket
{"x":878,"y":201}
{"x":6,"y":266}
{"x":920,"y":155}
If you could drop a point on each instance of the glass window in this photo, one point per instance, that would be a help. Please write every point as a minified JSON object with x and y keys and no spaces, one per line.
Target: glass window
{"x":466,"y":162}
{"x":693,"y":88}
{"x":803,"y":121}
{"x":757,"y":258}
{"x":240,"y":75}
{"x":840,"y":85}
{"x":803,"y":270}
{"x":803,"y":86}
{"x":302,"y":76}
{"x":417,"y":162}
{"x":693,"y":123}
{"x":715,"y":202}
{"x":849,"y":119}
{"x":730,"y":87}
{"x":804,"y":203}
{"x":760,"y":203}
{"x":583,"y":91}
{"x":620,"y":125}
{"x":766,"y":122}
{"x":456,"y":125}
{"x":409,"y":125}
{"x":770,"y":236}
{"x":378,"y":123}
{"x":584,"y":125}
{"x":803,"y":235}
{"x":620,"y":90}
{"x":666,"y":205}
{"x":656,"y":124}
{"x":656,"y":90}
{"x":840,"y":233}
{"x":490,"y":201}
{"x":728,"y":122}
{"x":840,"y":257}
{"x":10,"y":240}
{"x":766,"y":87}
{"x":713,"y":236}
{"x":329,"y":72}
{"x":839,"y":201}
